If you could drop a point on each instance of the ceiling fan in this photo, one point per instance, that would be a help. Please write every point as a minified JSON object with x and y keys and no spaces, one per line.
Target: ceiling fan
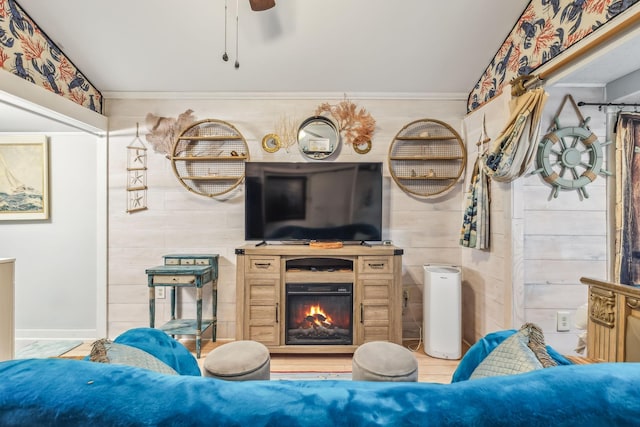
{"x":260,"y":5}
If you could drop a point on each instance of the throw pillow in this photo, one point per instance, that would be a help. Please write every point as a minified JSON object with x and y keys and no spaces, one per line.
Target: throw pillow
{"x":105,"y":351}
{"x":513,"y":356}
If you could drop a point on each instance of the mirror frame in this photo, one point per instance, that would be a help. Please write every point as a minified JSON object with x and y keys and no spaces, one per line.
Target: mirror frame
{"x":321,"y":144}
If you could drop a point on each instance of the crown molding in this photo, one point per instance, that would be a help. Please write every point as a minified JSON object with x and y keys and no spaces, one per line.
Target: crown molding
{"x":418,"y":96}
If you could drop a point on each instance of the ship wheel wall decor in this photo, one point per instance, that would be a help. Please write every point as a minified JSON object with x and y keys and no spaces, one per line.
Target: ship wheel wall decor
{"x":427,"y":157}
{"x":569,"y":158}
{"x":208,"y":157}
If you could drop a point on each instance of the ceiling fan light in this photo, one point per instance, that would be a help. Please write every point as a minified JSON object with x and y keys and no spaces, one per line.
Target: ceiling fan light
{"x":259,"y":5}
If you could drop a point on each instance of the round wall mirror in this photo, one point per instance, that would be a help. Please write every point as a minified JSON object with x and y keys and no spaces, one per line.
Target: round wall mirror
{"x":318,"y":137}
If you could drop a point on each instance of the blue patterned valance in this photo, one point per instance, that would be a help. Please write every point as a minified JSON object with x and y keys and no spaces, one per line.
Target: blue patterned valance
{"x":27,"y":52}
{"x":545,"y":29}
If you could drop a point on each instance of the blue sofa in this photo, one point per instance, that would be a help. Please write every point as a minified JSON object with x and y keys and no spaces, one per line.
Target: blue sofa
{"x":65,"y":392}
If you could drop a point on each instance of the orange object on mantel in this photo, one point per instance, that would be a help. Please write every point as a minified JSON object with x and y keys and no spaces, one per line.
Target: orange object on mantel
{"x":325,"y":245}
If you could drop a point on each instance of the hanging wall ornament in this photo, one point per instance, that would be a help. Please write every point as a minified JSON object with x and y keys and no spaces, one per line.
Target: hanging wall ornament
{"x":569,"y":158}
{"x":136,"y":175}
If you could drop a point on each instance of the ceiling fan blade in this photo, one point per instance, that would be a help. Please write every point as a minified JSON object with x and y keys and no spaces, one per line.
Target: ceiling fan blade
{"x":259,"y":5}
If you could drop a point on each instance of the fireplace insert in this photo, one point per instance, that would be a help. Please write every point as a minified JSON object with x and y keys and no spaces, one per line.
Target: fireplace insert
{"x":319,"y":313}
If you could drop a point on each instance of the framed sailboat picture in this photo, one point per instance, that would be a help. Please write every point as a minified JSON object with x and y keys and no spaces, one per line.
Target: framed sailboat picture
{"x":24,"y":177}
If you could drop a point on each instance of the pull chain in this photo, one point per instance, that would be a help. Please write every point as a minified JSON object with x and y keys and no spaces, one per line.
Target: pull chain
{"x":237,"y":65}
{"x":225,"y":57}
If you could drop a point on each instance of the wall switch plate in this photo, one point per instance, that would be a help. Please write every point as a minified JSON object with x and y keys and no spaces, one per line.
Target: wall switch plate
{"x":160,"y":292}
{"x":562,"y":319}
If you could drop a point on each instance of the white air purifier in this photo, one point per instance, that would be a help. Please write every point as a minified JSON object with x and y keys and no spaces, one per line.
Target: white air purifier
{"x":442,"y":311}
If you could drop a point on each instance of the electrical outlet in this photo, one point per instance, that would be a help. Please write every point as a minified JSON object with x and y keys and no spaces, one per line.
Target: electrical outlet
{"x":160,"y":292}
{"x":562,"y":319}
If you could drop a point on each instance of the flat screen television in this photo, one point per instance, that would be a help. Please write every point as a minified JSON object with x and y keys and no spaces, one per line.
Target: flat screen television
{"x":302,"y":202}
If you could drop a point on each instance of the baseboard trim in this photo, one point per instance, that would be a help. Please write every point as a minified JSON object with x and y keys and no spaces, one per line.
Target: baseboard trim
{"x":55,"y":334}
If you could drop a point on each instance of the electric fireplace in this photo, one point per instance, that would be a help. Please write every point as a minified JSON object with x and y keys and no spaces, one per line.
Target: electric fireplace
{"x":319,"y":313}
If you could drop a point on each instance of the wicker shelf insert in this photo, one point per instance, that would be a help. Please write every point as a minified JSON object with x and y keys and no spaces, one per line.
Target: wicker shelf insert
{"x":427,"y":157}
{"x":208,"y":157}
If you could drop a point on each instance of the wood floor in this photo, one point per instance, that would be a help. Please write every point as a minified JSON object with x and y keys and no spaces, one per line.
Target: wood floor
{"x":429,"y":369}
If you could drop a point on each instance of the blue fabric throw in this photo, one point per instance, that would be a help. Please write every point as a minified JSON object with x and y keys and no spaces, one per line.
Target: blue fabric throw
{"x":62,"y":392}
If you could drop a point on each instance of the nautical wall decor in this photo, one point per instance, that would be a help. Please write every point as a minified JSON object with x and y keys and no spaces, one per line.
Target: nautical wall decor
{"x":569,"y":158}
{"x":544,"y":30}
{"x":208,"y":157}
{"x":28,"y":53}
{"x":427,"y":157}
{"x":136,"y":175}
{"x":24,"y":177}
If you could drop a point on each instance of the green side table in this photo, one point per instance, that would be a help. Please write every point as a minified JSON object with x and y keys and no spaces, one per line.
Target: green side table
{"x":186,"y":271}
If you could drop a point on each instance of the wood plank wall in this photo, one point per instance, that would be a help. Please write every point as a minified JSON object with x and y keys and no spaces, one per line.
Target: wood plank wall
{"x":539,"y":247}
{"x":178,"y":221}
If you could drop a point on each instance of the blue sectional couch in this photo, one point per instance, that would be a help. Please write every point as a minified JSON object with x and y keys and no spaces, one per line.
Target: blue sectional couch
{"x":64,"y":392}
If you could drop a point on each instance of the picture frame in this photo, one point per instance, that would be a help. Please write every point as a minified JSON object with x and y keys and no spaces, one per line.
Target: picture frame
{"x":24,"y":177}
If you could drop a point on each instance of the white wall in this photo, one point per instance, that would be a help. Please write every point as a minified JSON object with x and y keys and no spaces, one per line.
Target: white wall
{"x":179,"y":221}
{"x":57,"y":260}
{"x":539,"y":247}
{"x":564,"y":238}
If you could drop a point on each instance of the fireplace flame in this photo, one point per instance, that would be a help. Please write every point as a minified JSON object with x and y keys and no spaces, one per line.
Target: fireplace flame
{"x":317,"y":316}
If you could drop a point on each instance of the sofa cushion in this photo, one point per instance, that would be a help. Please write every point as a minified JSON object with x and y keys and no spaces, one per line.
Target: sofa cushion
{"x":105,"y":351}
{"x":513,"y":356}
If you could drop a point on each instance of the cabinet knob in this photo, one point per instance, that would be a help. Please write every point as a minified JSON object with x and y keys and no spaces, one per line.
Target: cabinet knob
{"x":263,"y":264}
{"x":376,"y":266}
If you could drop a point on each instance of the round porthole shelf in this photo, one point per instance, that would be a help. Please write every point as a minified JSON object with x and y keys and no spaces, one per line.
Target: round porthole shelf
{"x":208,"y":157}
{"x":427,"y":157}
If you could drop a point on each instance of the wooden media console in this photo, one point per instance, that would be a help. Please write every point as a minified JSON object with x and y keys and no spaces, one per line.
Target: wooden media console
{"x":370,"y":275}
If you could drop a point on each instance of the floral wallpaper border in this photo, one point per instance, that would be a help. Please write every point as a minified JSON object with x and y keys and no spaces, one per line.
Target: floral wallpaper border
{"x":545,"y":29}
{"x":27,"y":52}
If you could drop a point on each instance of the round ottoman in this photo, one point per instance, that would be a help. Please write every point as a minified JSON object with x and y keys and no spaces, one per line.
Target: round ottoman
{"x":238,"y":361}
{"x":384,"y":361}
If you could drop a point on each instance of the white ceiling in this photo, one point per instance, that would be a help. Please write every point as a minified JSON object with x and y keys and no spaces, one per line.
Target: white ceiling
{"x":423,"y":46}
{"x":340,"y":46}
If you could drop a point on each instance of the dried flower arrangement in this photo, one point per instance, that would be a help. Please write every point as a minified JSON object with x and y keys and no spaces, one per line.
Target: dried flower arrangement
{"x":355,"y":125}
{"x":287,"y":130}
{"x":163,"y":131}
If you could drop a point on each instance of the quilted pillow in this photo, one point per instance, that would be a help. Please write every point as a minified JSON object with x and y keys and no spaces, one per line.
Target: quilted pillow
{"x":512,"y":356}
{"x":105,"y":351}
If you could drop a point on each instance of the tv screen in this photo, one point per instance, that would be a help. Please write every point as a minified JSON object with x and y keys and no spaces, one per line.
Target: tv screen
{"x":313,"y":201}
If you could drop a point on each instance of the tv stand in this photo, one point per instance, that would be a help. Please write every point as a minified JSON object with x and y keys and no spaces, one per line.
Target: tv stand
{"x":263,"y":243}
{"x":375,"y":273}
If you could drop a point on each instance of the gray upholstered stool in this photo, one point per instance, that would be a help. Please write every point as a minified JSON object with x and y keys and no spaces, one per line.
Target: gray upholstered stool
{"x":238,"y":361}
{"x":384,"y":361}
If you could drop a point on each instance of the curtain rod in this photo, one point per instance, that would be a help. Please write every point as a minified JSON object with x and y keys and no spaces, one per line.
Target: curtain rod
{"x":608,"y":104}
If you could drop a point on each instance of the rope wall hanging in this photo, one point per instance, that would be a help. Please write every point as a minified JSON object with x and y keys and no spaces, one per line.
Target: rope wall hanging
{"x":208,"y":157}
{"x":427,"y":157}
{"x":136,"y":174}
{"x":569,"y":158}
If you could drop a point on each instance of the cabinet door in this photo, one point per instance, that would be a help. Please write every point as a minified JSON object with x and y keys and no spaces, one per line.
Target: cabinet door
{"x":374,"y":317}
{"x":262,"y":310}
